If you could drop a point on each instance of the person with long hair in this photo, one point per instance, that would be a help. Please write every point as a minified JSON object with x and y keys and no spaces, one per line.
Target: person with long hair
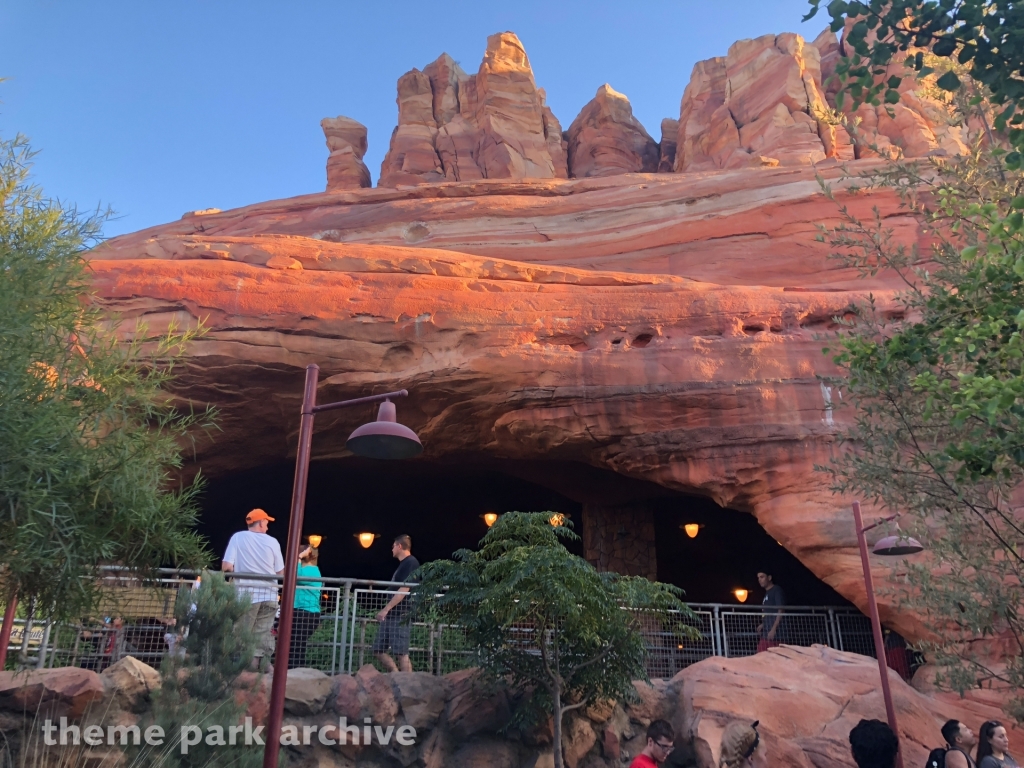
{"x":306,"y":614}
{"x":993,"y":746}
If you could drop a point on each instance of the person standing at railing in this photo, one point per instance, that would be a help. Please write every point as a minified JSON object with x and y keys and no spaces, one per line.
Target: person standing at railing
{"x":395,"y":631}
{"x":306,"y":617}
{"x":771,"y":628}
{"x":253,"y":551}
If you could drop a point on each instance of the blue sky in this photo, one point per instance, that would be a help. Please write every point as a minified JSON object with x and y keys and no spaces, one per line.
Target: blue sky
{"x":160,"y":108}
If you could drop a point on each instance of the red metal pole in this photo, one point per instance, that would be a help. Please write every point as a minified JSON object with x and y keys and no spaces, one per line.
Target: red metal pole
{"x":284,"y":625}
{"x":876,"y":626}
{"x":5,"y":631}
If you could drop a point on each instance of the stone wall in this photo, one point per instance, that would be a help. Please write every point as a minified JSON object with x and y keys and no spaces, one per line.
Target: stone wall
{"x":806,"y":699}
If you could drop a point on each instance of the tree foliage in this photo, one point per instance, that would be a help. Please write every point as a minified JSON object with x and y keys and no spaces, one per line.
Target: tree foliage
{"x":199,"y":678}
{"x":87,"y":434}
{"x":984,"y":36}
{"x":545,"y":619}
{"x":936,"y":376}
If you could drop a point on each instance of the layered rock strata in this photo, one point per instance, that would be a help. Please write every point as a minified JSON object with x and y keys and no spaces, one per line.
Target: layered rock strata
{"x":605,"y":139}
{"x":458,"y":127}
{"x":703,"y":381}
{"x":346,"y":140}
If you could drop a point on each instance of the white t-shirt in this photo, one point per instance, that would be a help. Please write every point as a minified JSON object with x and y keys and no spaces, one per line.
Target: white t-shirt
{"x":251,"y":552}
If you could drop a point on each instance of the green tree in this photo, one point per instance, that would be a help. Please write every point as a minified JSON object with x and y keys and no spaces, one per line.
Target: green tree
{"x":936,"y":377}
{"x":986,"y":37}
{"x":88,"y":435}
{"x":199,"y":680}
{"x":545,"y":619}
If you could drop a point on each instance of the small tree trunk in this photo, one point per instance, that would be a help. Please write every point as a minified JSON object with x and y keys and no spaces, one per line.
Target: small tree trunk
{"x":556,"y":747}
{"x":5,"y":631}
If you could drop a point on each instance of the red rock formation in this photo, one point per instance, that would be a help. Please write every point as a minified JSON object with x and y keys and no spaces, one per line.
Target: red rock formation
{"x":492,"y":125}
{"x":705,"y":387}
{"x":667,"y":147}
{"x":346,"y":139}
{"x":807,"y":700}
{"x":605,"y":139}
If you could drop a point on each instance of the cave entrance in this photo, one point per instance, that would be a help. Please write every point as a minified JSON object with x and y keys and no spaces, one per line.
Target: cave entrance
{"x":625,"y":525}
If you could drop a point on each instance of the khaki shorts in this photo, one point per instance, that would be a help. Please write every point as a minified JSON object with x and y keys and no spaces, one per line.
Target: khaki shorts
{"x":259,"y":620}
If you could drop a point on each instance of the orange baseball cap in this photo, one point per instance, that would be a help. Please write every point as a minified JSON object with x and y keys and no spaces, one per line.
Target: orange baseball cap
{"x":255,"y":515}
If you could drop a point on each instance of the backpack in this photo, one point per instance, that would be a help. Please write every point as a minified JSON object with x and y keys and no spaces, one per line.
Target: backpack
{"x":937,"y":758}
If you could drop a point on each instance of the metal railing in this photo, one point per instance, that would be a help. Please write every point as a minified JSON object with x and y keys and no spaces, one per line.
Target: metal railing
{"x":137,"y":618}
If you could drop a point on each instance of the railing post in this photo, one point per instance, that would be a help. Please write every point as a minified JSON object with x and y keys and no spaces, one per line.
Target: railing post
{"x":41,"y":662}
{"x":346,"y":650}
{"x":716,"y":640}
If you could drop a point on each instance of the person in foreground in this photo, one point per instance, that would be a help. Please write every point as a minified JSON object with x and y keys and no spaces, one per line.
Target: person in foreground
{"x":993,"y":746}
{"x":742,"y":746}
{"x":253,"y":551}
{"x":959,"y":740}
{"x":396,"y":618}
{"x":873,"y":744}
{"x":660,"y":743}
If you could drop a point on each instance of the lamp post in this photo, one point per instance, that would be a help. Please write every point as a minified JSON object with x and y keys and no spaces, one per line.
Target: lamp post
{"x":381,"y":439}
{"x":890,"y":545}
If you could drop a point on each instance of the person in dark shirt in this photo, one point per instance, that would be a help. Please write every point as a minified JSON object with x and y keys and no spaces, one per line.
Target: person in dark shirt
{"x":770,"y":630}
{"x":395,"y":619}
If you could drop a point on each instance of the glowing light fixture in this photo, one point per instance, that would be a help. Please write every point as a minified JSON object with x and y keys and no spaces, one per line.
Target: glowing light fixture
{"x":558,"y":519}
{"x":490,"y":518}
{"x":366,"y":539}
{"x":741,"y":595}
{"x":314,"y":540}
{"x":692,"y":529}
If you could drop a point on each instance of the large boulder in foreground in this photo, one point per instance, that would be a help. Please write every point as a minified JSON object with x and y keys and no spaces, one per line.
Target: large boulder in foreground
{"x":66,"y":691}
{"x":807,"y":700}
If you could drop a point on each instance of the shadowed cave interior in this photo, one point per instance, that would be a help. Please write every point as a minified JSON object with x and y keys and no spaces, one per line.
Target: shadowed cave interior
{"x":440,"y":505}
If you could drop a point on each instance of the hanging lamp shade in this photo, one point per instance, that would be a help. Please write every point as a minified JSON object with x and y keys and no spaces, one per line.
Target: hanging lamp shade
{"x":897,"y":545}
{"x":385,"y":438}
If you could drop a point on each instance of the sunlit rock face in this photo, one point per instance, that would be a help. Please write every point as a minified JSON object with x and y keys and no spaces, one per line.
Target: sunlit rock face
{"x":458,"y":127}
{"x":666,"y":325}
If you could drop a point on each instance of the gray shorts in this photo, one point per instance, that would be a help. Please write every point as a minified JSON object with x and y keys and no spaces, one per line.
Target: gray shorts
{"x":394,"y":633}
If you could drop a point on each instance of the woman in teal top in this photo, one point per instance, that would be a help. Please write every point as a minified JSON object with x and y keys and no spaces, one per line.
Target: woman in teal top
{"x":306,"y":617}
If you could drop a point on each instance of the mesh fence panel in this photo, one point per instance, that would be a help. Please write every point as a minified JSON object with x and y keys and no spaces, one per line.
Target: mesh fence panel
{"x":137,"y":619}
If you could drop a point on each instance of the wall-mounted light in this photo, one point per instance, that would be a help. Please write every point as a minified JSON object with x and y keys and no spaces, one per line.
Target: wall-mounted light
{"x":490,"y":518}
{"x":692,"y":529}
{"x":314,"y":540}
{"x":366,"y":539}
{"x":558,"y":519}
{"x":741,"y":595}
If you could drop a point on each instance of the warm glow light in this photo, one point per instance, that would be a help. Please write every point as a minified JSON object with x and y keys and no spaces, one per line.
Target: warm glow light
{"x":558,"y":519}
{"x":366,"y":539}
{"x":490,"y":518}
{"x":314,"y":541}
{"x":691,"y":530}
{"x":741,"y":595}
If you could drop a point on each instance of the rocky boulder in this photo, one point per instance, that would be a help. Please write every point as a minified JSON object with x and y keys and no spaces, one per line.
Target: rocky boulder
{"x":306,"y":691}
{"x":64,"y":691}
{"x":131,"y":683}
{"x":605,"y":139}
{"x":346,"y":140}
{"x":458,"y":127}
{"x":807,"y":700}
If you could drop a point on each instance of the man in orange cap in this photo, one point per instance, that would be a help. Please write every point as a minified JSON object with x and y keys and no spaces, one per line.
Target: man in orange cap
{"x":253,"y":551}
